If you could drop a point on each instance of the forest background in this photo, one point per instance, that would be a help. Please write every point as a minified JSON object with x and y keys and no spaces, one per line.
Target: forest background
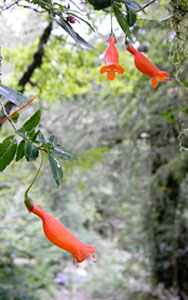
{"x":126,"y":194}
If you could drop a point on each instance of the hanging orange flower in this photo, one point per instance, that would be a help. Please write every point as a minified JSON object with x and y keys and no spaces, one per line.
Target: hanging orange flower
{"x":145,"y":66}
{"x":59,"y":235}
{"x":111,"y":59}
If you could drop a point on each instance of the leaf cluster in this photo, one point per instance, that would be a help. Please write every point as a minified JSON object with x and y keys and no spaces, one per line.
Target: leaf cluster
{"x":32,"y":142}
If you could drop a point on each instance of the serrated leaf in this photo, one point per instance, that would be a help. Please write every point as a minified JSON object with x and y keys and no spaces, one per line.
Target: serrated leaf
{"x":53,"y":140}
{"x":7,"y":151}
{"x":30,"y":151}
{"x":12,"y":95}
{"x":122,"y":20}
{"x":68,"y":28}
{"x":56,"y":169}
{"x":30,"y":124}
{"x":20,"y":151}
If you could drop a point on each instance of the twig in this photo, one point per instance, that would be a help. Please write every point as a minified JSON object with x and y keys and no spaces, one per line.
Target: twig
{"x":7,"y":117}
{"x":147,"y":4}
{"x":75,"y":4}
{"x":174,"y":15}
{"x":8,"y":6}
{"x":33,"y":9}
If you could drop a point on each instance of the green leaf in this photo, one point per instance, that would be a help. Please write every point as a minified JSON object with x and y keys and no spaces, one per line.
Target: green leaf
{"x":61,"y":150}
{"x":56,"y":169}
{"x":21,"y":132}
{"x":7,"y":151}
{"x":68,"y":28}
{"x":53,"y":140}
{"x":122,"y":21}
{"x":30,"y":151}
{"x":12,"y":95}
{"x":39,"y":138}
{"x":131,"y":14}
{"x":60,"y":155}
{"x":134,"y":4}
{"x":15,"y":117}
{"x":100,"y":4}
{"x":44,"y":4}
{"x":20,"y":150}
{"x":30,"y":124}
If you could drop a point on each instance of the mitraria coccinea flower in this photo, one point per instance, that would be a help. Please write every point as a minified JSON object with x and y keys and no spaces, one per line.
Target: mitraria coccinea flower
{"x":145,"y":66}
{"x":60,"y":236}
{"x":111,"y":59}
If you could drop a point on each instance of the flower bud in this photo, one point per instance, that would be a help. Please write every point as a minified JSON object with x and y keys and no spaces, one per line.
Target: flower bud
{"x":71,"y":20}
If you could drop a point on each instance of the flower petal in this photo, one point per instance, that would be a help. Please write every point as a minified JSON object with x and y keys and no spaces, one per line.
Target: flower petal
{"x":119,"y":69}
{"x":166,"y":75}
{"x":103,"y":69}
{"x":111,"y":75}
{"x":154,"y":82}
{"x":160,"y":77}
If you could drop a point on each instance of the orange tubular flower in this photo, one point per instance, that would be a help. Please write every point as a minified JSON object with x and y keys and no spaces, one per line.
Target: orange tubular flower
{"x":111,"y":59}
{"x":145,"y":66}
{"x":59,"y":235}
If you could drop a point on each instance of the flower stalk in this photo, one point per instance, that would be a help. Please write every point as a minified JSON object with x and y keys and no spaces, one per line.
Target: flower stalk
{"x":27,"y":200}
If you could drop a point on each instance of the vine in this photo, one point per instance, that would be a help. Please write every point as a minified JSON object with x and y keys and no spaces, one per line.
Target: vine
{"x":179,"y":55}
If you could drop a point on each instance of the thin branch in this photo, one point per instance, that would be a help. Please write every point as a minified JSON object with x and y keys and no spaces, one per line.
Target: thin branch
{"x":174,"y":15}
{"x":75,"y":4}
{"x":32,"y":8}
{"x":8,"y":6}
{"x":147,"y":4}
{"x":6,"y":115}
